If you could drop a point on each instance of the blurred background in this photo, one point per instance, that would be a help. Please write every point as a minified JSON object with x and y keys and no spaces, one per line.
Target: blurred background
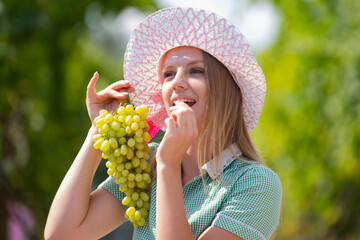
{"x":309,"y":131}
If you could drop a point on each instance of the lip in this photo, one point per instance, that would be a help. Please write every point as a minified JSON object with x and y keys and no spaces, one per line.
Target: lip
{"x":175,"y":98}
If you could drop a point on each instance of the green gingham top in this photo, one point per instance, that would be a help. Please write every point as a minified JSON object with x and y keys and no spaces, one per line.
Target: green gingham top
{"x":246,"y":202}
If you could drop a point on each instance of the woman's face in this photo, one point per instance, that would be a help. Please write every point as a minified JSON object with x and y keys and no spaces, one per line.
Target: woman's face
{"x":183,"y":79}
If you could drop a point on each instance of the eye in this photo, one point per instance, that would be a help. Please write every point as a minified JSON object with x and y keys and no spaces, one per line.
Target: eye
{"x":196,"y":71}
{"x":168,"y":74}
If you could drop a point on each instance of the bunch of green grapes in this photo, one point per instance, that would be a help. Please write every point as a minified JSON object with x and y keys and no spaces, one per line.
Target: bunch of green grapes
{"x":122,"y":139}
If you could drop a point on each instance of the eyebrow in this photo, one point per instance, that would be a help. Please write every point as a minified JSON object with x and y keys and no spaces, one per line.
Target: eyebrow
{"x":190,"y":63}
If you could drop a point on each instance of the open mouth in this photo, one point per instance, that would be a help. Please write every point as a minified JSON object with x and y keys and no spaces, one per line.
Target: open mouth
{"x":189,"y":102}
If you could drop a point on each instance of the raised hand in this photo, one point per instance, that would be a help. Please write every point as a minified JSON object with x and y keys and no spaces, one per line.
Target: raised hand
{"x":108,"y":98}
{"x":181,"y":132}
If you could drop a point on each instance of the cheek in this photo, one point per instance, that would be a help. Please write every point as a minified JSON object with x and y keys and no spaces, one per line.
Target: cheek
{"x":165,"y":96}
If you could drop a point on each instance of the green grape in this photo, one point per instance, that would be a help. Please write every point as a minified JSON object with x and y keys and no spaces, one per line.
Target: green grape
{"x":111,"y":133}
{"x":121,"y":118}
{"x":139,"y":146}
{"x":136,"y":225}
{"x":128,"y":130}
{"x":121,"y":110}
{"x":131,"y":142}
{"x":96,"y":137}
{"x":130,"y":211}
{"x":108,"y":118}
{"x":131,"y":177}
{"x":139,"y":153}
{"x":131,"y":184}
{"x":105,"y":146}
{"x":146,"y":178}
{"x":139,"y":203}
{"x":117,"y":152}
{"x":121,"y":132}
{"x":110,"y":171}
{"x":129,"y":108}
{"x":146,"y":137}
{"x":108,"y":164}
{"x":128,"y":165}
{"x":139,"y":133}
{"x":138,"y":177}
{"x":99,"y":122}
{"x":143,"y":116}
{"x":142,"y":124}
{"x":147,"y":206}
{"x":123,"y":149}
{"x":122,"y":140}
{"x":130,"y":154}
{"x":119,"y":159}
{"x":134,"y":126}
{"x":143,"y":164}
{"x":98,"y":143}
{"x":135,"y":196}
{"x":125,"y":172}
{"x":129,"y":192}
{"x":105,"y":127}
{"x":132,"y":219}
{"x":144,"y":196}
{"x":136,"y":118}
{"x":115,"y":125}
{"x":122,"y":179}
{"x":135,"y":162}
{"x":144,"y":212}
{"x":138,"y":139}
{"x":126,"y":200}
{"x":103,"y":112}
{"x":116,"y":174}
{"x":128,"y":120}
{"x":113,"y":143}
{"x":141,"y":222}
{"x":137,"y":215}
{"x":120,"y":167}
{"x":123,"y":187}
{"x":141,"y":185}
{"x":111,"y":157}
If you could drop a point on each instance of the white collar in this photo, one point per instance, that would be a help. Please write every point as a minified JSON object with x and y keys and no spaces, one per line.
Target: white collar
{"x":227,"y":158}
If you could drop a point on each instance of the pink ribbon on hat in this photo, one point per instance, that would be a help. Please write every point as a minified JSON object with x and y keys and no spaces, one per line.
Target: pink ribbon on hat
{"x":153,"y":129}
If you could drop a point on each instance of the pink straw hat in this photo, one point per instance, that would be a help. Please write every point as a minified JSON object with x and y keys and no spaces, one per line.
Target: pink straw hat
{"x":173,"y":27}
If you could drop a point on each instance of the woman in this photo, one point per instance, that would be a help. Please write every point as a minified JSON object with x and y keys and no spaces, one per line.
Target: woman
{"x":195,"y":71}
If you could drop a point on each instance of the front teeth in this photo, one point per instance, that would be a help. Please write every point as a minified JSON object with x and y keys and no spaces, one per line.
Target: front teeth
{"x":185,"y":100}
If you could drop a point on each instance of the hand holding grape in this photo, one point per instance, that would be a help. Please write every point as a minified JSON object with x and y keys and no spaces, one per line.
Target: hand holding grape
{"x":108,"y":98}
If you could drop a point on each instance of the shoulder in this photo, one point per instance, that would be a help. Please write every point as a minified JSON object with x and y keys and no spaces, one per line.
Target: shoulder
{"x":254,"y":177}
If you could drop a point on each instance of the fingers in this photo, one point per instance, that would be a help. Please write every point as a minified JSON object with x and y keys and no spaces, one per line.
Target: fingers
{"x":170,"y":123}
{"x":122,"y":86}
{"x":91,"y":91}
{"x":184,"y":119}
{"x":110,"y":93}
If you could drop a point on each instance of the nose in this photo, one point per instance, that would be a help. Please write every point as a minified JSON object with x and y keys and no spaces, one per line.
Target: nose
{"x":180,"y":81}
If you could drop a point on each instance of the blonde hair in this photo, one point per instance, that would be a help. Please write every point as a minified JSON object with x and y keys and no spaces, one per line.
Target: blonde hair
{"x":224,"y":120}
{"x":224,"y":124}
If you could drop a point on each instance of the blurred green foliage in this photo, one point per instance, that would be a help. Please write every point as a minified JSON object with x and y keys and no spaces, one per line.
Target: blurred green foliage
{"x":47,"y":57}
{"x":309,"y":130}
{"x":310,"y":126}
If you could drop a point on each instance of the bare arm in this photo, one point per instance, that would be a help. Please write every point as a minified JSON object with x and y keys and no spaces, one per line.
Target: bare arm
{"x":171,"y":219}
{"x":74,"y":213}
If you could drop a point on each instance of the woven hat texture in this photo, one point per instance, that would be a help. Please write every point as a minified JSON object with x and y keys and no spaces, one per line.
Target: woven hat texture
{"x":173,"y":27}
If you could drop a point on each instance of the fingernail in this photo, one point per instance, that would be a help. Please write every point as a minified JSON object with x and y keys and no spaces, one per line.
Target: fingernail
{"x":96,"y":73}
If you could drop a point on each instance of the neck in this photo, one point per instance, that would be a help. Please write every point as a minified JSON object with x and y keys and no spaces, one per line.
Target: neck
{"x":189,"y":165}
